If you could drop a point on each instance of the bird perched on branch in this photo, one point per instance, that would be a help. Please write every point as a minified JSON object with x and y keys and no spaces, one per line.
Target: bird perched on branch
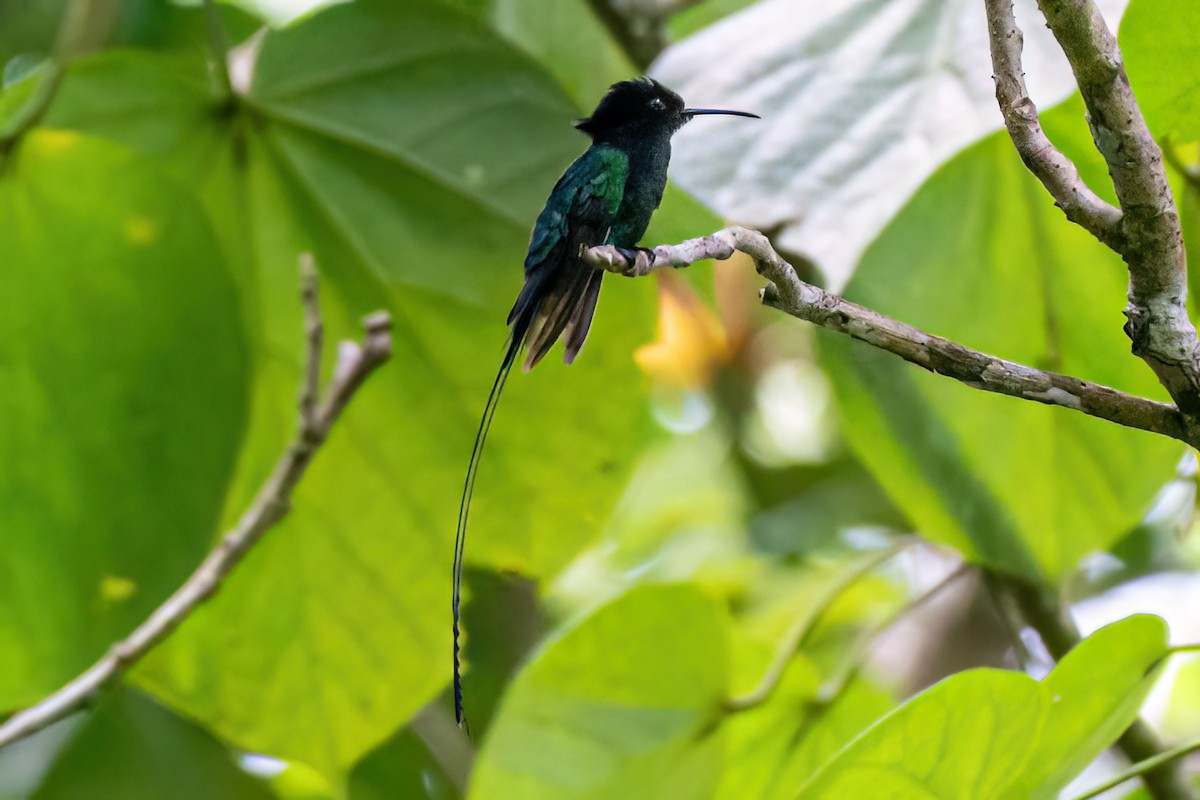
{"x":606,"y":197}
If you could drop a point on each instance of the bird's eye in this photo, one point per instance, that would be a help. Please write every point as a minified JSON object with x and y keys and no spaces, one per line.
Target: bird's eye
{"x":657,"y":104}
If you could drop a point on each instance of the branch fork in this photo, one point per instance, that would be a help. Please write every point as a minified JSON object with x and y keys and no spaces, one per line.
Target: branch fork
{"x":1145,"y":230}
{"x":356,"y":362}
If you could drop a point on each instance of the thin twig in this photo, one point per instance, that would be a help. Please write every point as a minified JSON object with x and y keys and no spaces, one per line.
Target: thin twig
{"x":975,"y":369}
{"x":804,"y":626}
{"x":1056,"y":172}
{"x":270,"y":506}
{"x":854,"y":663}
{"x":1140,"y":769}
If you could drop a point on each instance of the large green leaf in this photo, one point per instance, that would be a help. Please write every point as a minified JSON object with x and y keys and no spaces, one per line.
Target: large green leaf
{"x":860,"y":101}
{"x":992,"y":735}
{"x":982,"y":257}
{"x":1160,"y":40}
{"x":134,"y":748}
{"x":565,"y":37}
{"x":412,"y":165}
{"x":123,"y":363}
{"x":401,"y":767}
{"x":779,"y":745}
{"x":620,"y":705}
{"x":1098,"y":689}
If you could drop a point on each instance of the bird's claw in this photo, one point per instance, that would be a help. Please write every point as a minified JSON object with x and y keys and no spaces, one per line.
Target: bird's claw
{"x":639,"y":261}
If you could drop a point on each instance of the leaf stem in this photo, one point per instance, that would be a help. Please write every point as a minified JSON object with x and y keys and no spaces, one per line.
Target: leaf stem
{"x":854,"y":663}
{"x":218,"y":45}
{"x":804,"y":626}
{"x":72,"y":32}
{"x":1193,"y":647}
{"x":1140,"y":769}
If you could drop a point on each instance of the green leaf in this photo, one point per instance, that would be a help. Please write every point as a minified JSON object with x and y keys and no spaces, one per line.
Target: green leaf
{"x":966,"y":737}
{"x":133,"y":748}
{"x":618,"y":705}
{"x":982,"y":257}
{"x":701,"y":15}
{"x":488,"y":119}
{"x":157,"y":104}
{"x":124,"y":365}
{"x":776,"y":747}
{"x":993,"y":735}
{"x":838,"y":151}
{"x":400,"y":767}
{"x":1097,"y":689}
{"x":18,"y":94}
{"x":1160,"y":41}
{"x":566,"y":38}
{"x":425,"y":215}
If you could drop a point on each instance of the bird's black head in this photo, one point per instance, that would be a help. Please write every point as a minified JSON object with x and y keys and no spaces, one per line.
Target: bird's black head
{"x":642,"y":107}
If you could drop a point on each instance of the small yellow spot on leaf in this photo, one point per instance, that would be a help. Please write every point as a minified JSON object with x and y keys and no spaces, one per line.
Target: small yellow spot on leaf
{"x":115,"y":589}
{"x":141,"y":230}
{"x":53,"y":142}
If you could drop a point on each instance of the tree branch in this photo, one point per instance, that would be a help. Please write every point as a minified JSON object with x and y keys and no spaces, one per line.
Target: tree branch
{"x":355,"y":363}
{"x":1056,"y":172}
{"x":1149,"y":236}
{"x":975,"y":369}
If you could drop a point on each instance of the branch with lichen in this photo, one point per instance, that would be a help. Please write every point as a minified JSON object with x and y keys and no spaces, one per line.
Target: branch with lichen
{"x":355,"y":363}
{"x":793,"y":296}
{"x":1145,"y":230}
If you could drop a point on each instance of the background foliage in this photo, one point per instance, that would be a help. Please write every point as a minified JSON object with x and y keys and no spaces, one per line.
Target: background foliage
{"x":651,"y":523}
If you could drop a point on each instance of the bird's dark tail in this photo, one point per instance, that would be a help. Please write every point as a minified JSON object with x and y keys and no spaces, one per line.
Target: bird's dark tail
{"x":460,"y":536}
{"x":551,"y":304}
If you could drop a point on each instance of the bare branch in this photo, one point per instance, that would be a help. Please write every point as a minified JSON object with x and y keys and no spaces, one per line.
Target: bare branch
{"x":1056,"y":172}
{"x":1152,"y":242}
{"x":270,"y":506}
{"x":975,"y":369}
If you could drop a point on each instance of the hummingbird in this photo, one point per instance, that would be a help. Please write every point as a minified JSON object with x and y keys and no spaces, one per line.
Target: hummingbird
{"x":606,"y":196}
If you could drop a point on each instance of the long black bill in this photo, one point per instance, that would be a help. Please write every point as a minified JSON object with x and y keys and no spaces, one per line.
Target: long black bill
{"x":700,"y":112}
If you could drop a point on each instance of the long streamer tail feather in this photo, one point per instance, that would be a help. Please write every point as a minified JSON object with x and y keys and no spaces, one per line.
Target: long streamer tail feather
{"x":460,"y":536}
{"x":552,"y":303}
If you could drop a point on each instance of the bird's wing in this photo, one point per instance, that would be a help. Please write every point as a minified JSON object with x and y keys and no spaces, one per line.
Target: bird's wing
{"x":560,"y":291}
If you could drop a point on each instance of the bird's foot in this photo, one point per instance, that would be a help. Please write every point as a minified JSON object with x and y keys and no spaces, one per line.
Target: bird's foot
{"x":640,"y":261}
